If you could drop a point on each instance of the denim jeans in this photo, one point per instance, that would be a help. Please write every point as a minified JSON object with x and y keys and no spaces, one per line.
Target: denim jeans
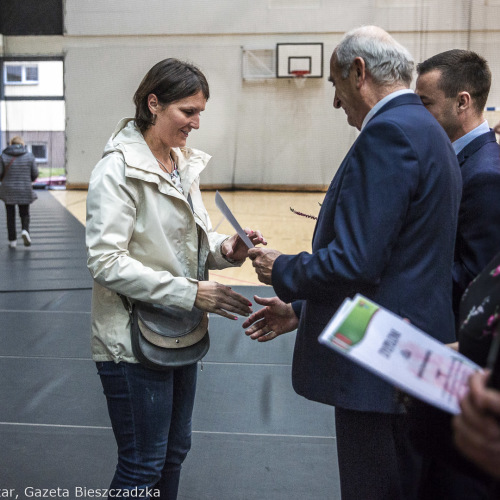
{"x":150,"y":413}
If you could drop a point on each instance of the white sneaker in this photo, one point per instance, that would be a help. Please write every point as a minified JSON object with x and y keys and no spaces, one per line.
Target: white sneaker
{"x":13,"y":244}
{"x":26,"y":238}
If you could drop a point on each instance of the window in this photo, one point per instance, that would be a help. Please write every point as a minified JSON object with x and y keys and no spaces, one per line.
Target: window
{"x":13,"y":74}
{"x":31,"y":73}
{"x":40,"y":152}
{"x":20,"y":74}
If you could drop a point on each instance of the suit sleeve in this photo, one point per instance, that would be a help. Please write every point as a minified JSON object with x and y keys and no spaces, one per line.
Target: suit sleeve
{"x":479,"y":228}
{"x":381,"y":176}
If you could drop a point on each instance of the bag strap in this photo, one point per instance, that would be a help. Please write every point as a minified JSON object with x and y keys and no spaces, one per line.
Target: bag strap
{"x":126,"y":303}
{"x":4,"y":173}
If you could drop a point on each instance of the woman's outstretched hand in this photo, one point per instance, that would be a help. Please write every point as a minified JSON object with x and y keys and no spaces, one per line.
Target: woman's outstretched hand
{"x":221,"y":299}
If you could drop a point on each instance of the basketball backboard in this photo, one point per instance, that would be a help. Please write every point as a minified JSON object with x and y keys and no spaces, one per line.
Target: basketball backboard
{"x":305,"y":59}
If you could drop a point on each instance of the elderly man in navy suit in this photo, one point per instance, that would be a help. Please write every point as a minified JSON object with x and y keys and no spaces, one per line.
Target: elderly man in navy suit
{"x":386,"y":229}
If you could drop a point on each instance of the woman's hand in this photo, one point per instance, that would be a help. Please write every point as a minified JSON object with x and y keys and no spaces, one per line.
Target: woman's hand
{"x":235,"y":249}
{"x":271,"y":321}
{"x":220,"y":299}
{"x":477,"y":428}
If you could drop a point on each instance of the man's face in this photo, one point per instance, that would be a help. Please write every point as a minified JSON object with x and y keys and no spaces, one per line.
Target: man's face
{"x":444,"y":109}
{"x":346,"y":95}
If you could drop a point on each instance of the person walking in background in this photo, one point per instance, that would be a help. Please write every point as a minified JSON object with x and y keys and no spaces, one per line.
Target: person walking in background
{"x":18,"y":169}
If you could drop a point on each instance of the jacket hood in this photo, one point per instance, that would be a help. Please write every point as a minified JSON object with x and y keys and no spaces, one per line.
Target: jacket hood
{"x":15,"y":150}
{"x":127,"y":139}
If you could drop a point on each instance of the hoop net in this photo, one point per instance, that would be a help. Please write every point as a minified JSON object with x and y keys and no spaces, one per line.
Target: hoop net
{"x":299,"y":77}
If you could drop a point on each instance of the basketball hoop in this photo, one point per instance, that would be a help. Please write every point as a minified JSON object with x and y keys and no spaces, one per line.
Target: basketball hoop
{"x":299,"y":76}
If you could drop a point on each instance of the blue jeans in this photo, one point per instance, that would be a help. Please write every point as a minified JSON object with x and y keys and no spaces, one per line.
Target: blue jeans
{"x":150,"y":413}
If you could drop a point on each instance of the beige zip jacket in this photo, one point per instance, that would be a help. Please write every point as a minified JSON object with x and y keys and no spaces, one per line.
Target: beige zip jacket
{"x":142,"y":236}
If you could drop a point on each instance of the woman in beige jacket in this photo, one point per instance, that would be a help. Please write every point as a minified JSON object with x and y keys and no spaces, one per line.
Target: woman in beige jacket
{"x":149,"y":238}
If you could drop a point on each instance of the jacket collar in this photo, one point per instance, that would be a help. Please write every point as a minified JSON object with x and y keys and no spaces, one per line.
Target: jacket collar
{"x":380,"y":104}
{"x":401,"y":100}
{"x":141,"y":162}
{"x":475,"y":145}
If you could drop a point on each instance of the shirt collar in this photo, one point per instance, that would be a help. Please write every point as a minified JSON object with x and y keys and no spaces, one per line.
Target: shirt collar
{"x":381,"y":103}
{"x":466,"y":139}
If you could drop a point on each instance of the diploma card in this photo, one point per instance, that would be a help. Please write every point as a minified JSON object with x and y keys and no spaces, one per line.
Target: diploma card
{"x":399,"y":352}
{"x":221,"y":205}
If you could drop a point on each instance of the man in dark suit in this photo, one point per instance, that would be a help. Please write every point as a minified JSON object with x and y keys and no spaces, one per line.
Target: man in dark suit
{"x":386,"y":229}
{"x":454,"y":86}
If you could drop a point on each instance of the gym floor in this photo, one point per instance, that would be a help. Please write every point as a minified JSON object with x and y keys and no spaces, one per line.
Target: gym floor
{"x":268,"y":211}
{"x":253,"y":437}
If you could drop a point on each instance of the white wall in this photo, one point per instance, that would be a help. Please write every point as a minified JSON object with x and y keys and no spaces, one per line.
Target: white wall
{"x":32,"y":115}
{"x":160,"y":17}
{"x":265,"y":132}
{"x":50,"y":80}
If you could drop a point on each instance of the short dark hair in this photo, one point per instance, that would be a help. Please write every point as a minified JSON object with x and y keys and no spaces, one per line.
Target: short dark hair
{"x":461,"y":70}
{"x":169,"y":80}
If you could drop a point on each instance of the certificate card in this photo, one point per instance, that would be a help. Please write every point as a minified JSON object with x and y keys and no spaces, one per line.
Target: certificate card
{"x":221,"y":205}
{"x":399,"y":352}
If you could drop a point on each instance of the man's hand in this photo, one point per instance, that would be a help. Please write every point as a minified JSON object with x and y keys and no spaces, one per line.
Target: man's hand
{"x":274,"y":319}
{"x":233,"y":248}
{"x":263,"y":261}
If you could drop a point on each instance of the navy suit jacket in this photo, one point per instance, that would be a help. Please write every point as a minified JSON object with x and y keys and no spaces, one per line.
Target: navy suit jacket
{"x":386,"y":229}
{"x":478,"y":234}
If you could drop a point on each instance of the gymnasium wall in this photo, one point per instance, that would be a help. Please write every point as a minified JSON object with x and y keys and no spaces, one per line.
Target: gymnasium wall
{"x":266,"y":133}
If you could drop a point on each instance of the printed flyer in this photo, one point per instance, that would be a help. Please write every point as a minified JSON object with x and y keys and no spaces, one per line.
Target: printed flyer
{"x":399,"y":352}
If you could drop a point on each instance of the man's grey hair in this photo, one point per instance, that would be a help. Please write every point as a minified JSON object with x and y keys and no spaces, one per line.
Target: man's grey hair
{"x":386,"y":60}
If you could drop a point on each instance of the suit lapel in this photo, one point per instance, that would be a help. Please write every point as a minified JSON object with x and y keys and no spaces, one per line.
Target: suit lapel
{"x":475,"y":145}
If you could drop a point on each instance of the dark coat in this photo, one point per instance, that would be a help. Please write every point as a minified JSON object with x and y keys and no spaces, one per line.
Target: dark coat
{"x":478,"y":233}
{"x":20,"y":170}
{"x":386,"y":229}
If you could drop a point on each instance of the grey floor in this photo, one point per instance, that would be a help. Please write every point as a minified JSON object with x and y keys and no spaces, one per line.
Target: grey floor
{"x":253,"y":438}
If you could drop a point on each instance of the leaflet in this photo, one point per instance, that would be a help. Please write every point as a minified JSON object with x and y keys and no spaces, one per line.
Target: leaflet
{"x":399,"y":352}
{"x":221,"y":205}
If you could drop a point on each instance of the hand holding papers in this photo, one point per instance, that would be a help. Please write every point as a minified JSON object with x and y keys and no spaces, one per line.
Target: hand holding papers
{"x":262,"y":259}
{"x":399,"y":352}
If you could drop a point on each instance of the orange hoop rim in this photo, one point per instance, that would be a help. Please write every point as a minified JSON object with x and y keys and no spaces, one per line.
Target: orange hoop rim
{"x":298,"y":73}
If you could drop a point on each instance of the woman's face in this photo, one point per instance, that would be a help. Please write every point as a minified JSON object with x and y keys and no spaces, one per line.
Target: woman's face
{"x":177,"y":119}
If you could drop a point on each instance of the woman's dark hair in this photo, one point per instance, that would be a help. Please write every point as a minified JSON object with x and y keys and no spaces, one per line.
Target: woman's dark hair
{"x":169,"y":80}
